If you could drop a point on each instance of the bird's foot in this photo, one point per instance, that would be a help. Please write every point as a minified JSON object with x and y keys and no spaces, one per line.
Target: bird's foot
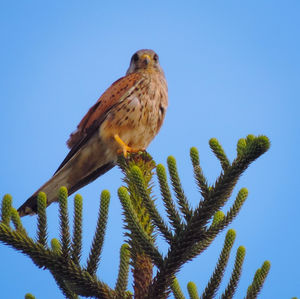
{"x":125,"y":149}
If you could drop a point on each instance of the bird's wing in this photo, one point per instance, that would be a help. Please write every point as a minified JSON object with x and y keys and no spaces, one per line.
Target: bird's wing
{"x":115,"y":94}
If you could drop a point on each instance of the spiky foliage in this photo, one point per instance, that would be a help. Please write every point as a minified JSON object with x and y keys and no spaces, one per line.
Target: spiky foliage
{"x":258,"y":280}
{"x":192,"y":289}
{"x":198,"y":173}
{"x":42,"y":219}
{"x":188,"y":232}
{"x":217,"y":276}
{"x":236,"y":273}
{"x":77,"y":229}
{"x":94,"y":257}
{"x":215,"y":280}
{"x":71,"y":278}
{"x":219,"y":152}
{"x":175,"y":180}
{"x":15,"y":218}
{"x":176,"y":289}
{"x":6,"y":209}
{"x":139,"y":210}
{"x":64,"y":221}
{"x":122,"y":280}
{"x":169,"y":203}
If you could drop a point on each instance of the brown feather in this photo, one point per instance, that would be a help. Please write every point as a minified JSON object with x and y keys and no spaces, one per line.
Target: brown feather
{"x":89,"y":162}
{"x":29,"y":207}
{"x":132,"y":108}
{"x":97,"y":114}
{"x":112,"y":96}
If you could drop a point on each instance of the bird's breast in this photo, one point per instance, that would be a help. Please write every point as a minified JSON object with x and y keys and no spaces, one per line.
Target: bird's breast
{"x":138,"y":118}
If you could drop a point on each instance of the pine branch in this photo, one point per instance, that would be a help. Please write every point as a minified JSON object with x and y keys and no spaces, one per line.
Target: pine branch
{"x":215,"y":280}
{"x":209,"y":237}
{"x":97,"y":245}
{"x":17,"y":221}
{"x":198,"y":173}
{"x":68,"y":293}
{"x":192,"y":289}
{"x":55,"y":246}
{"x":258,"y":281}
{"x":224,"y":221}
{"x":64,"y":221}
{"x":220,"y":221}
{"x":190,"y":235}
{"x":194,"y":232}
{"x":236,"y":274}
{"x":243,"y":145}
{"x":42,"y":219}
{"x":142,"y":274}
{"x":64,"y":287}
{"x":80,"y":280}
{"x":77,"y":230}
{"x":182,"y":201}
{"x":29,"y":296}
{"x":218,"y":218}
{"x":176,"y":289}
{"x":122,"y":280}
{"x":226,"y":182}
{"x":167,"y":198}
{"x":6,"y":209}
{"x":71,"y":278}
{"x":139,"y":235}
{"x":145,"y":163}
{"x":139,"y":187}
{"x":235,"y":209}
{"x":219,"y":152}
{"x":137,"y":178}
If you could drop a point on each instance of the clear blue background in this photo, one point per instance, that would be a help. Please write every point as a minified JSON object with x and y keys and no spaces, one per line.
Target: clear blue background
{"x":232,"y":69}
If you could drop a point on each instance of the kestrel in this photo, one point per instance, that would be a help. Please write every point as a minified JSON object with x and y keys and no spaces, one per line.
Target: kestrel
{"x":125,"y":119}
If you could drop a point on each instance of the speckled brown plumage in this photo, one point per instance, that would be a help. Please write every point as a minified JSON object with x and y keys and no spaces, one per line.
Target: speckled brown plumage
{"x":126,"y":117}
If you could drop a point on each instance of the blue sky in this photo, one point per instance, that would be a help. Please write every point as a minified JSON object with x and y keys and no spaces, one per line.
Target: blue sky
{"x":232,"y":69}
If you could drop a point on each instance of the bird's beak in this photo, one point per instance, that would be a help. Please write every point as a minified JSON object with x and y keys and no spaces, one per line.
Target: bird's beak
{"x":146,"y":59}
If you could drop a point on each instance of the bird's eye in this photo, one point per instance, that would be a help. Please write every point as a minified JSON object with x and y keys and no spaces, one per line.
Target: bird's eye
{"x":135,"y":57}
{"x":155,"y":57}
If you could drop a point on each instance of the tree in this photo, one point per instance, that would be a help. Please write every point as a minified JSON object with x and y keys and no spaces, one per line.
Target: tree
{"x":187,"y":231}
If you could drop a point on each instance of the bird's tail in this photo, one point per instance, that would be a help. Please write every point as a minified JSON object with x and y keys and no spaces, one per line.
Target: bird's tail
{"x":61,"y":178}
{"x":29,"y":207}
{"x":51,"y":187}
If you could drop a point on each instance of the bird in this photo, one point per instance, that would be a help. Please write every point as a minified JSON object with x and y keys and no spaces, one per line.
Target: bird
{"x":125,"y":119}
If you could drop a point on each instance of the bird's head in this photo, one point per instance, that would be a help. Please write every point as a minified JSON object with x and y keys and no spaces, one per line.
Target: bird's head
{"x":144,"y":60}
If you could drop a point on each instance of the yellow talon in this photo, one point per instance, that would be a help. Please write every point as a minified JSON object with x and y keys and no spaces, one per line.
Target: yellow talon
{"x":124,"y":147}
